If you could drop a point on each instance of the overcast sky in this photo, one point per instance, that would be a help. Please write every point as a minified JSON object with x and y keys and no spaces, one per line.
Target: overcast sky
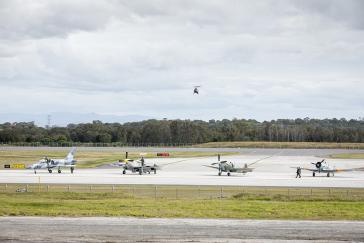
{"x":253,"y":59}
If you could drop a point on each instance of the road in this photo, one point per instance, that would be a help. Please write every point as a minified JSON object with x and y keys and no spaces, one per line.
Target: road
{"x":258,"y":151}
{"x":101,"y":229}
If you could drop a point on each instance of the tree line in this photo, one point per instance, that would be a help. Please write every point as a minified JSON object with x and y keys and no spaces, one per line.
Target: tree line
{"x":189,"y":131}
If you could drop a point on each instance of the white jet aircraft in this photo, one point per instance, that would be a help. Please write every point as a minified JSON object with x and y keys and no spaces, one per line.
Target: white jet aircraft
{"x":50,"y":164}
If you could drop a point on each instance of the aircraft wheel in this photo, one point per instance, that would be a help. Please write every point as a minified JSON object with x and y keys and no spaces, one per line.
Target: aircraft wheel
{"x":155,"y":171}
{"x":148,"y":172}
{"x":72,"y":169}
{"x":35,"y":172}
{"x":219,"y":174}
{"x":328,"y":174}
{"x":59,"y":171}
{"x":313,"y":174}
{"x":124,"y":172}
{"x":50,"y":171}
{"x":140,"y":172}
{"x":228,"y":173}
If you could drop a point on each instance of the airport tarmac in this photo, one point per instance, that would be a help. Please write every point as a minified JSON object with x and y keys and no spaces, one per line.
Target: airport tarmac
{"x":272,"y":171}
{"x":110,"y":229}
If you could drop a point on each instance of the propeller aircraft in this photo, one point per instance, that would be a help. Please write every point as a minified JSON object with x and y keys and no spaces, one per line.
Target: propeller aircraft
{"x":229,"y":167}
{"x":323,"y":167}
{"x":137,"y":166}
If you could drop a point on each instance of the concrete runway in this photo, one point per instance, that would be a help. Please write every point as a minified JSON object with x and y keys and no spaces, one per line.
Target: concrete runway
{"x":101,"y":229}
{"x":273,"y":171}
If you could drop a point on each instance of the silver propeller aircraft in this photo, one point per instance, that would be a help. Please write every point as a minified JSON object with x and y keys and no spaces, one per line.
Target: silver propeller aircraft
{"x":137,"y":166}
{"x":229,"y":167}
{"x":50,"y":164}
{"x":323,"y":167}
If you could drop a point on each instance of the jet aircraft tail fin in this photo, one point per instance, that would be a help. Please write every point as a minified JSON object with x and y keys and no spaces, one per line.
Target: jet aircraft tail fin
{"x":70,"y":155}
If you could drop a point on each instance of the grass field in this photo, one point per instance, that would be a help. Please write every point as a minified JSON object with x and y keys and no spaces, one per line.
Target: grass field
{"x":348,"y":156}
{"x":86,"y":159}
{"x":121,"y":204}
{"x":298,"y":145}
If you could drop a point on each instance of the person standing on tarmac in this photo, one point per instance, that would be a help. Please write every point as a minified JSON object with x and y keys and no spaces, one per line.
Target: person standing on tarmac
{"x":298,"y":172}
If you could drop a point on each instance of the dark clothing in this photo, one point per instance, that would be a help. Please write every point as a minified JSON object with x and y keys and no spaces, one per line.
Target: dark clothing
{"x":298,"y":172}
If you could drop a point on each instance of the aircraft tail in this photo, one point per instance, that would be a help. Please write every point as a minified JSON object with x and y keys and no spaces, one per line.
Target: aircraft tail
{"x":70,"y":155}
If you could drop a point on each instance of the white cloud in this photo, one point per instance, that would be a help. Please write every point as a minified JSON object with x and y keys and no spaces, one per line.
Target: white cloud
{"x":263,"y":60}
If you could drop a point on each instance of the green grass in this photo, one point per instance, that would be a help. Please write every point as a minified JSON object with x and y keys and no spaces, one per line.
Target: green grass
{"x":348,"y":156}
{"x":86,"y":159}
{"x":120,"y":204}
{"x":199,"y":192}
{"x":299,"y":145}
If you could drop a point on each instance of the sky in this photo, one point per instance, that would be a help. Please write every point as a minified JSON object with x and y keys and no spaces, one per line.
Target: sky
{"x":260,"y":60}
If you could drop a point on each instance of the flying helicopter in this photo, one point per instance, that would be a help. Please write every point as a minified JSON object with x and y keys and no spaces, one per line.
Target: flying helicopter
{"x":195,"y":90}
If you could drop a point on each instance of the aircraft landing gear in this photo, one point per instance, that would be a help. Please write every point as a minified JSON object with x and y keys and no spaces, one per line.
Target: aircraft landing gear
{"x":219,"y":174}
{"x":35,"y":172}
{"x":72,"y":169}
{"x":59,"y":171}
{"x":313,"y":174}
{"x":155,"y":171}
{"x":228,"y":173}
{"x":49,"y":170}
{"x":328,"y":174}
{"x":124,"y":172}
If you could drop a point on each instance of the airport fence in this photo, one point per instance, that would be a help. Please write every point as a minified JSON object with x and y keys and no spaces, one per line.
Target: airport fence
{"x":195,"y":192}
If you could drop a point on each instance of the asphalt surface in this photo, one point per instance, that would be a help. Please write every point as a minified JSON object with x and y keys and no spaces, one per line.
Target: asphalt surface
{"x":258,"y":151}
{"x":101,"y":229}
{"x":277,"y":170}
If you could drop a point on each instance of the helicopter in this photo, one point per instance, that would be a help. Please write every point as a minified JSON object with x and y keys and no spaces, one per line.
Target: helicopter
{"x":195,"y":90}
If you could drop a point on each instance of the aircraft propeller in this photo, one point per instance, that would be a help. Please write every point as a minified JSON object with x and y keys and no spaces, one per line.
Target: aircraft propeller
{"x":318,"y":164}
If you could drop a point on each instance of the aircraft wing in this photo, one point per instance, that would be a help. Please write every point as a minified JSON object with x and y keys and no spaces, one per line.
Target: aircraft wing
{"x":359,"y":169}
{"x":263,"y":159}
{"x":67,"y":166}
{"x":118,"y":164}
{"x":341,"y":170}
{"x":332,"y":170}
{"x":242,"y":170}
{"x":309,"y":169}
{"x":214,"y":167}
